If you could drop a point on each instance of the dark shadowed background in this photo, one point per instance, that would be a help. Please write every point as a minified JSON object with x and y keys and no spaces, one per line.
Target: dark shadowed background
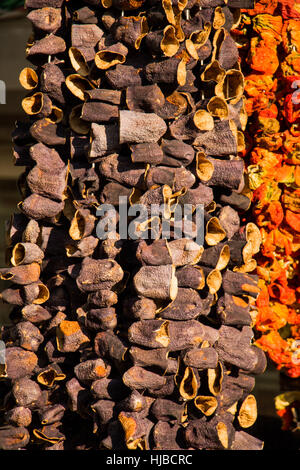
{"x":14,"y":32}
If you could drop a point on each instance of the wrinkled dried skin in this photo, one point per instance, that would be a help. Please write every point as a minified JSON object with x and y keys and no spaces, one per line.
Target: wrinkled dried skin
{"x":13,"y":438}
{"x":70,"y":337}
{"x":156,"y":282}
{"x":97,"y":274}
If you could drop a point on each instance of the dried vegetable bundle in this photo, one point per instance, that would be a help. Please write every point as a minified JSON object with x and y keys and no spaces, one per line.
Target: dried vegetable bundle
{"x":271,"y":59}
{"x":130,"y":342}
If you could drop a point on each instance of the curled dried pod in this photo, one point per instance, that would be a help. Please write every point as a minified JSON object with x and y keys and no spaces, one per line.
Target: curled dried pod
{"x":184,"y":252}
{"x":110,"y":56}
{"x":176,"y":153}
{"x":155,"y":254}
{"x":28,"y":78}
{"x":231,"y":87}
{"x":136,"y":402}
{"x":235,"y":200}
{"x":78,"y":85}
{"x":42,"y":182}
{"x":166,"y":390}
{"x":36,"y":293}
{"x":194,"y":195}
{"x":26,"y":253}
{"x":203,"y":120}
{"x":215,"y":379}
{"x":169,"y":43}
{"x":225,"y":50}
{"x":216,"y":257}
{"x":175,"y":335}
{"x":248,"y":412}
{"x":112,"y":191}
{"x":77,"y":124}
{"x":49,"y":433}
{"x":189,"y":384}
{"x":130,"y":30}
{"x":80,"y":58}
{"x":213,"y":279}
{"x":221,"y":141}
{"x":47,"y":159}
{"x":214,"y":232}
{"x":50,"y":375}
{"x":136,"y":429}
{"x":38,"y":104}
{"x":156,"y":282}
{"x":206,"y":404}
{"x":82,"y":224}
{"x":218,"y":107}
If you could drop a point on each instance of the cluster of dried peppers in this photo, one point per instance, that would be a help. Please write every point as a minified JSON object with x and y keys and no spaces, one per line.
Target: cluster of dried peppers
{"x":269,"y":38}
{"x":130,"y":343}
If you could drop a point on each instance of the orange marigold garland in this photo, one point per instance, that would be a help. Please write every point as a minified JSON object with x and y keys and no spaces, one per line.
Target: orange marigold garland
{"x":269,"y":38}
